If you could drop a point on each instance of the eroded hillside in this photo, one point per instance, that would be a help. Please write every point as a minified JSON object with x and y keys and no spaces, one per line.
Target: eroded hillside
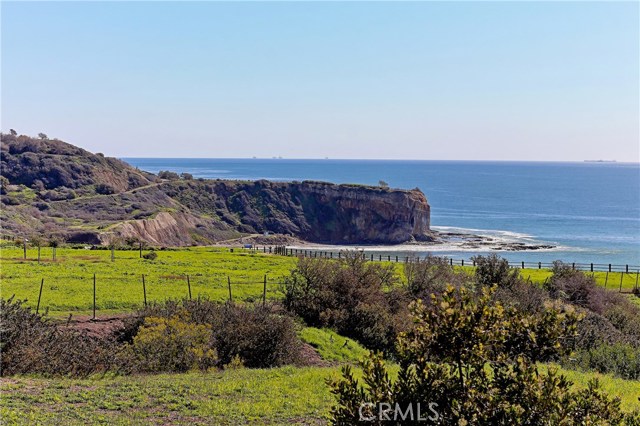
{"x":51,"y":187}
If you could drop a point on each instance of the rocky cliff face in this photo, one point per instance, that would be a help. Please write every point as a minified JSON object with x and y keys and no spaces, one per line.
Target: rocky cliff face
{"x":347,"y":214}
{"x":50,"y":187}
{"x":313,"y":211}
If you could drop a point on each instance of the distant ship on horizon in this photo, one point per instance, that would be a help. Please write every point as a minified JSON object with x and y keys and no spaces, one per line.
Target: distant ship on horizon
{"x":600,"y":161}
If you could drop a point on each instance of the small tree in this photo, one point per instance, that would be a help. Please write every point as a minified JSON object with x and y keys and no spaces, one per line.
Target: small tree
{"x":112,"y":241}
{"x":43,"y":136}
{"x":165,"y":174}
{"x":54,"y":242}
{"x":36,"y":241}
{"x":383,"y":184}
{"x":493,"y":269}
{"x":13,"y":132}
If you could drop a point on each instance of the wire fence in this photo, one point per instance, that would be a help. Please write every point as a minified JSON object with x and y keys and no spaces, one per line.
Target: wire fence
{"x":106,"y":292}
{"x":128,"y":290}
{"x":372,"y":256}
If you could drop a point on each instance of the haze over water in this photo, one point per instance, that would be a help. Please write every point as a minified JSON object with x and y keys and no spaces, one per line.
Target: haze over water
{"x":591,"y":211}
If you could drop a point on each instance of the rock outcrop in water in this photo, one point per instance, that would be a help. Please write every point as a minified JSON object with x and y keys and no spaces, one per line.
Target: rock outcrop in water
{"x":90,"y":198}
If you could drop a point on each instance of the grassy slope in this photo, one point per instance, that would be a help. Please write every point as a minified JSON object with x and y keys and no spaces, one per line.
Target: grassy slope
{"x":278,"y":396}
{"x":332,"y":347}
{"x":285,"y":395}
{"x":69,"y":287}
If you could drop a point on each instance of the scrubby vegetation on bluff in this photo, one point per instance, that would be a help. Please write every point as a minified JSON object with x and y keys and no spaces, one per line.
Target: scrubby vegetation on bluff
{"x":53,"y":188}
{"x":49,"y":164}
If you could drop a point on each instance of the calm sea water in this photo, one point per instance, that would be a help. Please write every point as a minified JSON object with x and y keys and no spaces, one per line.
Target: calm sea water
{"x":590,"y":211}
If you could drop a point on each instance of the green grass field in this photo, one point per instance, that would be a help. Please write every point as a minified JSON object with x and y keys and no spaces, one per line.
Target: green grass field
{"x":288,"y":395}
{"x":68,"y":282}
{"x":279,"y":396}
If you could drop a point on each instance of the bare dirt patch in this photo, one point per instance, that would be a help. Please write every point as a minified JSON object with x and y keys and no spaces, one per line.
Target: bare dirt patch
{"x":99,"y":327}
{"x":309,"y":357}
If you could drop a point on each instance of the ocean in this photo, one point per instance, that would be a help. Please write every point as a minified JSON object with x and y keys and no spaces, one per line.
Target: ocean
{"x":590,"y":212}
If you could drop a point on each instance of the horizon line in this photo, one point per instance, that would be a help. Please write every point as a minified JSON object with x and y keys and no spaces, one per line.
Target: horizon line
{"x":599,"y":161}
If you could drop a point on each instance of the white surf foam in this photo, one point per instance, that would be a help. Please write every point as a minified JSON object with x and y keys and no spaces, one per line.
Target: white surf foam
{"x":498,"y":243}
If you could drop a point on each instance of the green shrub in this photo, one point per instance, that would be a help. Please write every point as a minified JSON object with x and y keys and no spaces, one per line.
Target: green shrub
{"x":575,"y":287}
{"x":431,"y":276}
{"x":31,"y":344}
{"x":493,"y":269}
{"x":165,"y":174}
{"x":261,"y":337}
{"x":348,"y":295}
{"x":173,"y":344}
{"x":152,"y":255}
{"x":105,"y":189}
{"x":619,"y":359}
{"x":459,"y":363}
{"x":524,"y":296}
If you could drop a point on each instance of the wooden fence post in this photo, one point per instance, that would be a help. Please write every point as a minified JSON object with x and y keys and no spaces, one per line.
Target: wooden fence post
{"x":621,"y":277}
{"x":229,"y":283}
{"x":264,"y":292}
{"x":40,"y":295}
{"x":94,"y":296}
{"x":189,"y":286}
{"x":144,"y":291}
{"x":606,"y":278}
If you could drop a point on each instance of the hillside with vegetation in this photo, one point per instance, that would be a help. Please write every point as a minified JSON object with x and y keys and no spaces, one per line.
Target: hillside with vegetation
{"x":204,"y":335}
{"x":484,"y":335}
{"x":55,"y":189}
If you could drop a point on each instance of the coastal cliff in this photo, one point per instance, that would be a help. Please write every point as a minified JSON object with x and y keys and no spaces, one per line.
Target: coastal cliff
{"x":313,"y":211}
{"x":50,"y":187}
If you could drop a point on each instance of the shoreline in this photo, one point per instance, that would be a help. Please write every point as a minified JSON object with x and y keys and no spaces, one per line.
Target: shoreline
{"x":442,"y":241}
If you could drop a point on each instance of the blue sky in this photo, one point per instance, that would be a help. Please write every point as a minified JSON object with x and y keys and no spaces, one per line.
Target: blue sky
{"x":504,"y":80}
